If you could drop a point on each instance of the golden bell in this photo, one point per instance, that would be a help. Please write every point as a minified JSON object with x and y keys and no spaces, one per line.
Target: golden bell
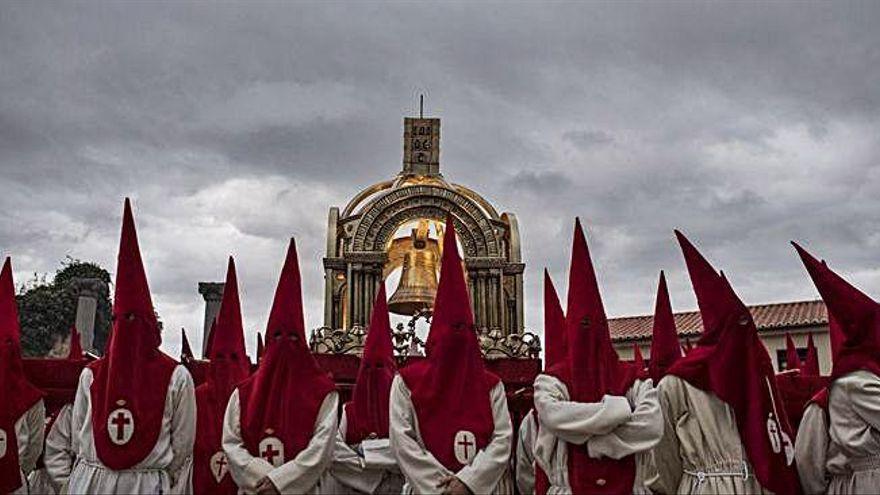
{"x":418,"y":281}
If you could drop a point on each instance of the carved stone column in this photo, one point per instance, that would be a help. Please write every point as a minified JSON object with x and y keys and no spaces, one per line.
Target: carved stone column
{"x":87,"y":290}
{"x":213,"y":294}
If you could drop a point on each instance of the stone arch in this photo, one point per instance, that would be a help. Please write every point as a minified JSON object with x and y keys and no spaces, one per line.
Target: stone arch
{"x":382,"y":217}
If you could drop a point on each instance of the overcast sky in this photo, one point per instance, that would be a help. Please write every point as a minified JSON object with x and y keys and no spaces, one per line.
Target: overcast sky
{"x":234,"y":127}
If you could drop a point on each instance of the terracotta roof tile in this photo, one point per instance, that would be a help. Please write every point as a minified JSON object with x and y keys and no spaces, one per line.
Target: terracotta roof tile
{"x":767,"y":317}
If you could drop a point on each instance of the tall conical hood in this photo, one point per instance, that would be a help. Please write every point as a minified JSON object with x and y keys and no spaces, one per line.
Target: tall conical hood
{"x":186,"y":352}
{"x":283,"y":397}
{"x":228,"y":366}
{"x":450,"y":389}
{"x":367,"y":413}
{"x":9,"y":326}
{"x":792,"y":360}
{"x":131,"y":380}
{"x":228,"y":334}
{"x":591,"y":369}
{"x":665,"y":349}
{"x":810,"y":366}
{"x":707,"y":287}
{"x":554,"y":325}
{"x":76,"y":351}
{"x":857,"y":314}
{"x":638,"y":359}
{"x":18,"y":394}
{"x":732,"y":363}
{"x":594,"y":364}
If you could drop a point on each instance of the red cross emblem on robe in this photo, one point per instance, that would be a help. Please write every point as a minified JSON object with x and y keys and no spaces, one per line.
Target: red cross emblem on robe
{"x":272,"y":450}
{"x":465,"y":447}
{"x":120,"y":426}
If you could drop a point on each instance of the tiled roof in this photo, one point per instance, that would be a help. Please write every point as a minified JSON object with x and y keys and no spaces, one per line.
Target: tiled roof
{"x":767,"y":317}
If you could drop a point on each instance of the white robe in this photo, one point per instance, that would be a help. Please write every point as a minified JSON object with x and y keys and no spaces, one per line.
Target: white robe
{"x":489,"y":470}
{"x":700,"y":436}
{"x":854,"y":414}
{"x":614,"y":428}
{"x":818,"y":459}
{"x":525,"y":454}
{"x":167,"y":468}
{"x":29,"y":430}
{"x":302,"y":474}
{"x":57,"y":457}
{"x":366,"y":468}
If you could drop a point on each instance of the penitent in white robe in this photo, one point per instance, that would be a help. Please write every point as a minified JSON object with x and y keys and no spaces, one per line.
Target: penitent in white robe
{"x":57,"y":457}
{"x":366,"y":468}
{"x":818,"y":459}
{"x":29,"y":430}
{"x":854,"y":429}
{"x":302,"y":474}
{"x":613,"y":428}
{"x":166,"y":469}
{"x":700,"y":439}
{"x":489,"y":470}
{"x":525,"y":454}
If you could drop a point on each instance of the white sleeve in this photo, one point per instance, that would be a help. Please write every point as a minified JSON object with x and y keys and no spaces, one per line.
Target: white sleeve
{"x":303,"y":472}
{"x":81,"y":410}
{"x":247,"y":471}
{"x":525,"y":455}
{"x":183,"y":430}
{"x":863,"y":391}
{"x":30,"y":429}
{"x":422,"y":471}
{"x":811,"y":450}
{"x":576,"y":422}
{"x":58,"y":456}
{"x":638,"y":434}
{"x":349,"y":468}
{"x":491,"y":463}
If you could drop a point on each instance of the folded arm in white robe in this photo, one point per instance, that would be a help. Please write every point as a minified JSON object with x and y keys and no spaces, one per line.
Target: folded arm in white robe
{"x":29,"y":431}
{"x":298,"y":475}
{"x":488,"y":471}
{"x":374,"y":472}
{"x":168,"y":467}
{"x":525,"y":454}
{"x":614,"y":427}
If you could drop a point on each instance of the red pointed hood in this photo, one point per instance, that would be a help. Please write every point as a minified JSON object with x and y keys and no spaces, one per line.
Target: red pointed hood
{"x":665,"y":349}
{"x":19,"y":395}
{"x":76,"y":351}
{"x":554,"y":325}
{"x":810,"y":367}
{"x":228,"y":366}
{"x":283,"y":397}
{"x":708,"y":289}
{"x":261,"y":348}
{"x":186,"y":352}
{"x":133,"y":376}
{"x":857,"y":314}
{"x":591,"y":369}
{"x":450,"y":389}
{"x":367,"y":413}
{"x":732,"y":363}
{"x":792,"y":360}
{"x":638,"y":359}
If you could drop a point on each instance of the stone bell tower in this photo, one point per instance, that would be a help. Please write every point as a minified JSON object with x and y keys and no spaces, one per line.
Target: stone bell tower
{"x":370,"y":238}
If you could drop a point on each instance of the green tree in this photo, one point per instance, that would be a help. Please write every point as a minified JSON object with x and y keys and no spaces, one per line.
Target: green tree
{"x":47,"y":310}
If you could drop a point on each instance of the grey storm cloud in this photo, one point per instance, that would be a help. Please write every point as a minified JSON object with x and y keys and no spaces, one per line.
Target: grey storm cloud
{"x":236,"y":126}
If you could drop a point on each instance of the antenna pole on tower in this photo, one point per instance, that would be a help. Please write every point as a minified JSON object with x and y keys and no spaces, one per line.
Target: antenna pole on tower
{"x":421,"y":106}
